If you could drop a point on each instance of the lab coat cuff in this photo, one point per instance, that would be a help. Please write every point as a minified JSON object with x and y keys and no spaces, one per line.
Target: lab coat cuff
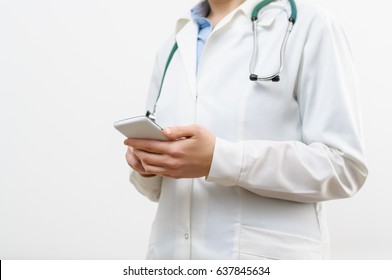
{"x":226,"y":163}
{"x":147,"y":186}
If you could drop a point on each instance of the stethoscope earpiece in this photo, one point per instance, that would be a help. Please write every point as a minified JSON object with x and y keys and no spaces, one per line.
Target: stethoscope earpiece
{"x":255,"y":78}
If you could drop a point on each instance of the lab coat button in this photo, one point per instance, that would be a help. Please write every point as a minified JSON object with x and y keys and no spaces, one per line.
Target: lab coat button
{"x":186,"y":236}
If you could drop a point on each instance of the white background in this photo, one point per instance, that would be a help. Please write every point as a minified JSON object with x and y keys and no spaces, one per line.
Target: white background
{"x":68,"y":69}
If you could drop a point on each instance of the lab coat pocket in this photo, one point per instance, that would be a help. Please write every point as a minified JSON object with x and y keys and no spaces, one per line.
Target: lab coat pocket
{"x":257,"y":243}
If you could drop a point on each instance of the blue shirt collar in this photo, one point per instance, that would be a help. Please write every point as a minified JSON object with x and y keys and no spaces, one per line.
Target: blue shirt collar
{"x":200,"y":12}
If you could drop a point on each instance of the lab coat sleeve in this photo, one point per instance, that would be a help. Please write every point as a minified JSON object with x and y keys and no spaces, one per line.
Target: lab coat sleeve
{"x":329,"y":161}
{"x":151,"y":186}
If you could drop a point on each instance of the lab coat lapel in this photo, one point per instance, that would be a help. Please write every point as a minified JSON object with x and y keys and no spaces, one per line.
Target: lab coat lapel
{"x":186,"y":39}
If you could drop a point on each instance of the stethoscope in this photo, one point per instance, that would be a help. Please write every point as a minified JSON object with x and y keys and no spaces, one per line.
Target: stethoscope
{"x":291,"y":21}
{"x":253,"y":77}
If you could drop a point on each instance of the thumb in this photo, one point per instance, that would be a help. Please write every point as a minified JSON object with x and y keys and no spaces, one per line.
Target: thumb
{"x":178,"y":132}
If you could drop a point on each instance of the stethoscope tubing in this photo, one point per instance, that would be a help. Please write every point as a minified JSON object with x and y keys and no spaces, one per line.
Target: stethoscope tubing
{"x":275,"y":76}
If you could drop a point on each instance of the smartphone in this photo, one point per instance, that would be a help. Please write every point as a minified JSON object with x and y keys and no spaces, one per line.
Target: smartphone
{"x":140,"y":127}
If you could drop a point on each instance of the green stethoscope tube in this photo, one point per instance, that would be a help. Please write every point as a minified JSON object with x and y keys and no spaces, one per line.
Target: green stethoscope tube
{"x":262,"y":4}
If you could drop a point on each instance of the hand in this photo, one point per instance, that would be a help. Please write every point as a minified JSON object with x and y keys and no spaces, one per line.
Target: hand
{"x":187,"y":155}
{"x":135,"y":163}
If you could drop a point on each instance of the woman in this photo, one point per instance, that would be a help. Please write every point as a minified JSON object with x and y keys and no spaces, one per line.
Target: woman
{"x":250,"y":163}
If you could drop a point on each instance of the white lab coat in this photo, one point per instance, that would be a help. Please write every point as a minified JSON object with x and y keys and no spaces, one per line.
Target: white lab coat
{"x":281,"y":148}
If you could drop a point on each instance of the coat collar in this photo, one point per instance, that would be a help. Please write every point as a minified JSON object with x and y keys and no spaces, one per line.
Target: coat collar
{"x":267,"y":16}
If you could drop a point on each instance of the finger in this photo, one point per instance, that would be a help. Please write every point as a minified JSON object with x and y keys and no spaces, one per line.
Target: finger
{"x":134,"y":162}
{"x":178,"y":132}
{"x":152,"y":169}
{"x":137,"y":166}
{"x":152,"y":146}
{"x":150,"y":158}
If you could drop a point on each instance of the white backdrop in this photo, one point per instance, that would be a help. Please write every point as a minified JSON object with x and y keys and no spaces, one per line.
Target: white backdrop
{"x":68,"y":69}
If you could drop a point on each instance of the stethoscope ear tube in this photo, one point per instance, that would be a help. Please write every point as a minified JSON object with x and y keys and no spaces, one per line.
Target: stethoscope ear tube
{"x":291,"y":21}
{"x":273,"y":77}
